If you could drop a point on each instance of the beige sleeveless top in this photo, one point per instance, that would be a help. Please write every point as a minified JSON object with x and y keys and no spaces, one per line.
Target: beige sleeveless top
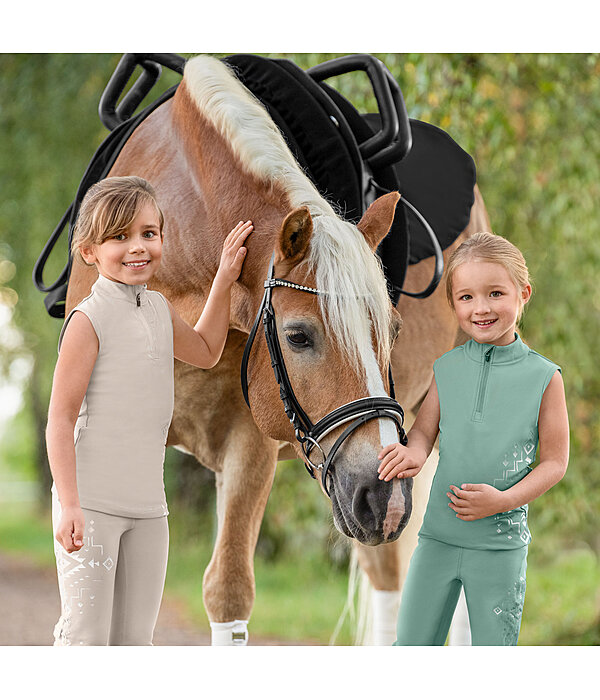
{"x":123,"y":422}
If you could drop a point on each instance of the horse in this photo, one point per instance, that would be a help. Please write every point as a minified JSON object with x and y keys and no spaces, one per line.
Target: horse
{"x":215,"y":157}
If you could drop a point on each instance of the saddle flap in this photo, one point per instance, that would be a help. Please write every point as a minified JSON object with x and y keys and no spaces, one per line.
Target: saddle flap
{"x":438,"y":178}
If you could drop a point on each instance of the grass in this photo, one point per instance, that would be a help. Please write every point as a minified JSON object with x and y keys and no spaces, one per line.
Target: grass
{"x":302,"y":599}
{"x":562,"y":600}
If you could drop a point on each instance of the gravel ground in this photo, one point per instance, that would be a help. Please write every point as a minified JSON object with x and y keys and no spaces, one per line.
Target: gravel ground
{"x":30,"y":607}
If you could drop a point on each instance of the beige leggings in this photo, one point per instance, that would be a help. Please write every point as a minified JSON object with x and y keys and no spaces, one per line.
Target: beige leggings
{"x":112,"y":587}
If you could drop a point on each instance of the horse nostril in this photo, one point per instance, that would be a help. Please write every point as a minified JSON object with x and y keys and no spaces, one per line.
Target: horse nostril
{"x":366,"y":507}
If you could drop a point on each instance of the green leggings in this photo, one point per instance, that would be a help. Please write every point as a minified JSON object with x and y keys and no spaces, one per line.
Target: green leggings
{"x":494,"y":583}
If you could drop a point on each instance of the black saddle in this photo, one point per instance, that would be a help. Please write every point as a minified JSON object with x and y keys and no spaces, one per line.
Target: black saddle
{"x":351,"y":158}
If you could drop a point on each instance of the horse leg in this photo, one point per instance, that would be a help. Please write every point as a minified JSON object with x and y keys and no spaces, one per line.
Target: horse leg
{"x":243,"y":487}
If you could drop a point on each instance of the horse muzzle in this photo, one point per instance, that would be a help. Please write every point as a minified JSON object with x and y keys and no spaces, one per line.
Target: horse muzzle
{"x":368,"y":509}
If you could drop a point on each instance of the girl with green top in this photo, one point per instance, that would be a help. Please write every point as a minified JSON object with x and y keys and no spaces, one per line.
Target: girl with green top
{"x":491,"y":401}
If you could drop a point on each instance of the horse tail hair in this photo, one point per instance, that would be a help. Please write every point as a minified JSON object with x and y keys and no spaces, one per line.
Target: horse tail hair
{"x":357,"y":607}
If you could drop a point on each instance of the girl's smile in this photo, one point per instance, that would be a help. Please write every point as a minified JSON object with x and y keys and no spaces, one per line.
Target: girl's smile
{"x":137,"y":265}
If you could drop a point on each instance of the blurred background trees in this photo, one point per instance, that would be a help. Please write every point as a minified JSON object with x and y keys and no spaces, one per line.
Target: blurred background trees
{"x":530,"y":121}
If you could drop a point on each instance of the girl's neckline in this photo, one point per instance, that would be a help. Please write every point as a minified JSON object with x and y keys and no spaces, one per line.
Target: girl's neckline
{"x":120,"y":290}
{"x":500,"y":354}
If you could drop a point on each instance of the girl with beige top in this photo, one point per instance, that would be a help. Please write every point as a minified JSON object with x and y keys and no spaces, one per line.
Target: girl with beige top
{"x":110,"y":410}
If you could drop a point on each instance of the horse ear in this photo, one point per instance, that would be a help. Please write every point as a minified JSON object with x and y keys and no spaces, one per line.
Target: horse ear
{"x":295,"y":234}
{"x":378,"y":219}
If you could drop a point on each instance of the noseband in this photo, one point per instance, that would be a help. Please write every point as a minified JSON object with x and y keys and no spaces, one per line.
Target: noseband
{"x":308,"y":434}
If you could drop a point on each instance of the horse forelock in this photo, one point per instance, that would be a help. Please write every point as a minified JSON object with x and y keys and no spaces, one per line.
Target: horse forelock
{"x":356,"y":304}
{"x":355,"y":307}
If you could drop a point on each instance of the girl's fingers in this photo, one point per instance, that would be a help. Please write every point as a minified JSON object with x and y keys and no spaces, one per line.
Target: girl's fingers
{"x":386,"y":469}
{"x":236,"y":239}
{"x":385,"y":464}
{"x":244,"y":232}
{"x":386,"y":458}
{"x":232,"y":235}
{"x":408,"y":473}
{"x":392,"y":473}
{"x":386,"y":450}
{"x":459,"y":509}
{"x":78,"y":535}
{"x":389,"y":459}
{"x":242,"y":229}
{"x":238,"y":261}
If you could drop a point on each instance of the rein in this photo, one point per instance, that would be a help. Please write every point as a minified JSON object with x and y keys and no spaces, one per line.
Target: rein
{"x":308,"y":434}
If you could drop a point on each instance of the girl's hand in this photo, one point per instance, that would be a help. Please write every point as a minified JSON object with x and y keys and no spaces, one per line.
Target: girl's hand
{"x":69,"y":532}
{"x":475,"y":501}
{"x":234,"y":253}
{"x":398,"y":460}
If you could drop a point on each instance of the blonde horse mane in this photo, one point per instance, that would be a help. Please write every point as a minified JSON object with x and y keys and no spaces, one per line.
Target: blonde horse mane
{"x":356,"y":302}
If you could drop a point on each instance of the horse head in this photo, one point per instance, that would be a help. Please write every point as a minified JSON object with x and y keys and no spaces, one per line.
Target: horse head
{"x":335,"y":350}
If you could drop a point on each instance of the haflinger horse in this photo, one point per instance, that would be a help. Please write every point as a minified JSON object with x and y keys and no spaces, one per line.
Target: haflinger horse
{"x":215,"y":157}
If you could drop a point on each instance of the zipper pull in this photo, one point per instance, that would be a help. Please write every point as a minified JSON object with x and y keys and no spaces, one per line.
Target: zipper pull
{"x":137,"y":298}
{"x":488,"y":354}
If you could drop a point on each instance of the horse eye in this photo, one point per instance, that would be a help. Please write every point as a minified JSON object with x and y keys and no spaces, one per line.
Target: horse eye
{"x":298,"y":339}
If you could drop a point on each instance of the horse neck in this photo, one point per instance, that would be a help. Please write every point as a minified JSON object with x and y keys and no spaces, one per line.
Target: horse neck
{"x":222,"y":194}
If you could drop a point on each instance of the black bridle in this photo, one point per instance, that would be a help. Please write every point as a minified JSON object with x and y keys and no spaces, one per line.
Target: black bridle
{"x":307,"y":433}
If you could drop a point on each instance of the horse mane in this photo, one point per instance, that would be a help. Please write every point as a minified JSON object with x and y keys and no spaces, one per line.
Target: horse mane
{"x":356,"y":301}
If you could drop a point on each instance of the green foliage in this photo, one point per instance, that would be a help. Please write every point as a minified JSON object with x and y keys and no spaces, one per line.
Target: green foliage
{"x":17,"y":455}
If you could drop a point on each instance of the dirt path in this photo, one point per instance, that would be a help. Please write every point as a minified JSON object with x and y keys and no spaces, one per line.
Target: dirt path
{"x":30,"y":607}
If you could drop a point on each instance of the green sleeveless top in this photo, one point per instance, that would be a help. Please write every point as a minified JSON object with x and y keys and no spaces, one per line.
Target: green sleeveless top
{"x":490,"y":398}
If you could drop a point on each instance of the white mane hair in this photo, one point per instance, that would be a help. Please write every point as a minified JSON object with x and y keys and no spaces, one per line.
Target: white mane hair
{"x":356,"y":301}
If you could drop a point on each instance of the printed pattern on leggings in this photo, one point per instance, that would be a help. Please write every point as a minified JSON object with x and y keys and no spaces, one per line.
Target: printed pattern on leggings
{"x":78,"y":576}
{"x":510,"y":610}
{"x":514,"y":523}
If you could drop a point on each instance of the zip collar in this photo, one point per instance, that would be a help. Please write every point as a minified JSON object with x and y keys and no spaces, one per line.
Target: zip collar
{"x":132,"y":293}
{"x":497,"y":354}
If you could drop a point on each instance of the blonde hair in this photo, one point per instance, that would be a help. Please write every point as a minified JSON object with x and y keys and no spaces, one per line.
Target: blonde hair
{"x":489,"y":247}
{"x":109,"y":207}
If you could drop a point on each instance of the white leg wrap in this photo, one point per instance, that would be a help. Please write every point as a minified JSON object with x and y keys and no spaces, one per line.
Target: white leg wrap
{"x":229,"y":634}
{"x":385,"y":614}
{"x":460,"y":628}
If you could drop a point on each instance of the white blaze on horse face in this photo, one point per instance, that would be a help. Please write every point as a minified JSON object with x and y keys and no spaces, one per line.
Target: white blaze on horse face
{"x":396,"y":507}
{"x":388,"y":433}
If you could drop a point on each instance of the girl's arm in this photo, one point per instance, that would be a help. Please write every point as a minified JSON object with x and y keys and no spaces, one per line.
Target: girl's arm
{"x":398,"y":460}
{"x":473,"y":501}
{"x":78,"y":353}
{"x":202,"y":346}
